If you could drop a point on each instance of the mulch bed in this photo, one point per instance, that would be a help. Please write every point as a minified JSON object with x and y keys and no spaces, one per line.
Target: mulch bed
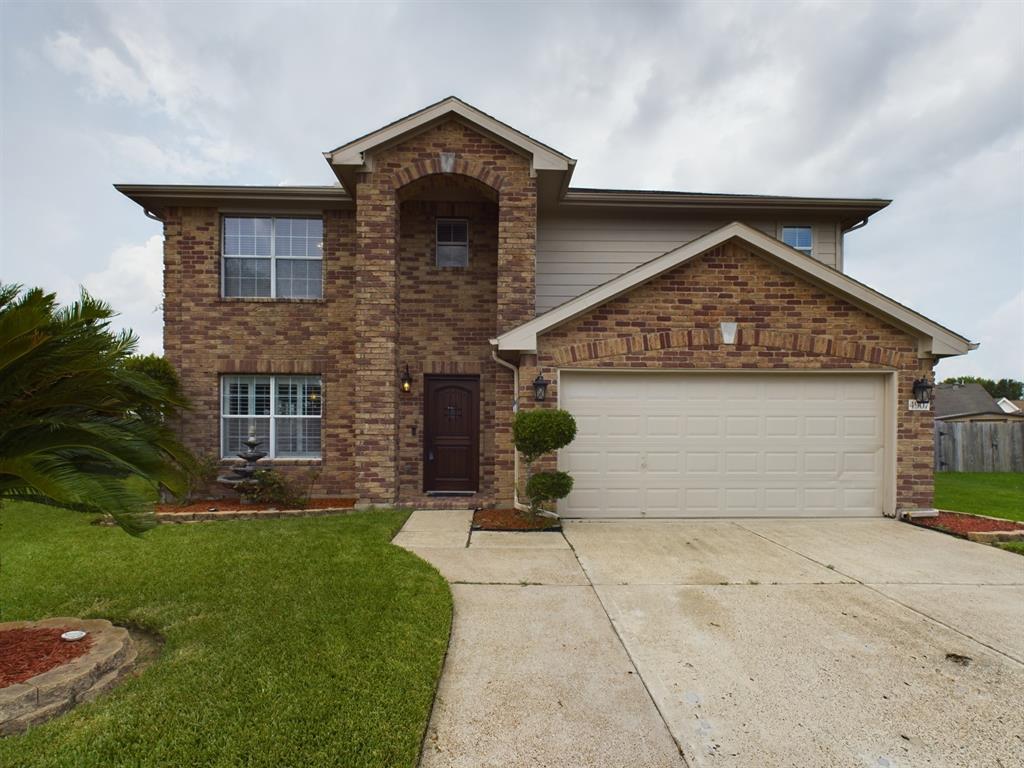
{"x":961,"y":524}
{"x":234,"y":505}
{"x":25,"y":653}
{"x":511,"y":520}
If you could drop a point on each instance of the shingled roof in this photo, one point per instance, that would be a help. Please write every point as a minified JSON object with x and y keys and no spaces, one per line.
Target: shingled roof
{"x":963,"y":400}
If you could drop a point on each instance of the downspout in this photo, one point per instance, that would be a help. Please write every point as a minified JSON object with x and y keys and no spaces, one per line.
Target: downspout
{"x":862,"y":223}
{"x":515,"y":454}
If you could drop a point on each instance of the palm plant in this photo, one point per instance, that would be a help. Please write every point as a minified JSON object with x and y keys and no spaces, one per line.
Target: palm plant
{"x":77,"y":421}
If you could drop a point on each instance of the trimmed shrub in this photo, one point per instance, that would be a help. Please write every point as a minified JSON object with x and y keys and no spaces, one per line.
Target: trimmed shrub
{"x":535,"y":433}
{"x":548,"y":486}
{"x":542,"y":430}
{"x":270,"y":487}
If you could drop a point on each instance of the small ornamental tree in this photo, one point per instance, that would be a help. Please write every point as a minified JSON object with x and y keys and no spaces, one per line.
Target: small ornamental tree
{"x":538,"y":432}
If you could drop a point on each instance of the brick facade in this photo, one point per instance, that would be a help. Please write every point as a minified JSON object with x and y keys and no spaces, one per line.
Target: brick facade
{"x":784,"y":322}
{"x":206,"y":336}
{"x":382,"y":288}
{"x":386,"y":305}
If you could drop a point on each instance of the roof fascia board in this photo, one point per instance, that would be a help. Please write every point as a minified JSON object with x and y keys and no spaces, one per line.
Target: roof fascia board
{"x":156,"y":196}
{"x":625,"y":198}
{"x":943,"y":341}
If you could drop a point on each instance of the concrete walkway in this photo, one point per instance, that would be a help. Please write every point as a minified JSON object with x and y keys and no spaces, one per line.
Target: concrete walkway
{"x":753,"y":643}
{"x":535,"y":674}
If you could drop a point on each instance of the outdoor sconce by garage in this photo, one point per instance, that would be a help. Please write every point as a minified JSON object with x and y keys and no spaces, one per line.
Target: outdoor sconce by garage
{"x":540,"y":388}
{"x":923,"y":391}
{"x":406,"y":380}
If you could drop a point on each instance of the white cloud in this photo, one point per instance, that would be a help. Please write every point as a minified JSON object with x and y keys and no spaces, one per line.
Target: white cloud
{"x":131,"y":283}
{"x":105,"y":73}
{"x":196,"y":157}
{"x":1001,"y":354}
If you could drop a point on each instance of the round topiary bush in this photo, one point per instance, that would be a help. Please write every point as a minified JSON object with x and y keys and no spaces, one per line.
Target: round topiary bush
{"x":542,"y":430}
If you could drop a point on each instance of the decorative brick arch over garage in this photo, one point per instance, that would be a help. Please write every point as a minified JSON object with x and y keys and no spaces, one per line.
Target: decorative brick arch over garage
{"x":752,"y":338}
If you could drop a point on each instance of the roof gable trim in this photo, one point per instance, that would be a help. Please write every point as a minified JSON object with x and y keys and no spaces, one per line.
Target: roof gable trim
{"x":543,"y":157}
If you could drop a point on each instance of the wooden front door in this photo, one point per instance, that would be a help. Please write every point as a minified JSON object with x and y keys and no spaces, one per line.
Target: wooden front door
{"x":451,"y":433}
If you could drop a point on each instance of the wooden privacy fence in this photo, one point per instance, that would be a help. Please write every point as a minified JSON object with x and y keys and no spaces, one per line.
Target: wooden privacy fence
{"x":979,"y":446}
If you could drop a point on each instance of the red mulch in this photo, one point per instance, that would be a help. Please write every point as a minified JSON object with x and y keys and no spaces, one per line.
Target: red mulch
{"x":960,"y":524}
{"x":232,"y":505}
{"x":25,"y":653}
{"x":510,"y":520}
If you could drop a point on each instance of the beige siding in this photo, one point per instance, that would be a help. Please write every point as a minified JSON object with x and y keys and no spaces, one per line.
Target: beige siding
{"x":579,"y":250}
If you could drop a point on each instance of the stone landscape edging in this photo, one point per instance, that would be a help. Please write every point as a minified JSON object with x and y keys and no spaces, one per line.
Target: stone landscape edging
{"x":57,"y":690}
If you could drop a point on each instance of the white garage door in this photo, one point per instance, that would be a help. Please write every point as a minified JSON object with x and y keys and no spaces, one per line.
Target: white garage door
{"x":724,"y":444}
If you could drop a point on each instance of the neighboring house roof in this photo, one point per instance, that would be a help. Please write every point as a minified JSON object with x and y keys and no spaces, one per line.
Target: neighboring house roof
{"x":1010,"y":406}
{"x":953,"y":400}
{"x":935,"y":339}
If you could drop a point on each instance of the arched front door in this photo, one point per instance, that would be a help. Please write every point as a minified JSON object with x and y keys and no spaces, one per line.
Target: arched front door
{"x":451,"y":433}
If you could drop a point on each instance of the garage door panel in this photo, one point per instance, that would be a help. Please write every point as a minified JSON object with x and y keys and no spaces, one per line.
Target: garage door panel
{"x":741,"y":463}
{"x":671,"y":445}
{"x":702,"y":426}
{"x":781,"y":426}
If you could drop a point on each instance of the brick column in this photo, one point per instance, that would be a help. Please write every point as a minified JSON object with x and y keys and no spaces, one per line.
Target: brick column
{"x":517,"y":247}
{"x":376,"y":324}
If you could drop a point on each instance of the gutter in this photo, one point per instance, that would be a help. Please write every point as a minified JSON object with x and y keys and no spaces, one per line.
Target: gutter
{"x":515,"y":454}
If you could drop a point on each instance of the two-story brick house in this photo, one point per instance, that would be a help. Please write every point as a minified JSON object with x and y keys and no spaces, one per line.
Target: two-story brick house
{"x":718,"y":360}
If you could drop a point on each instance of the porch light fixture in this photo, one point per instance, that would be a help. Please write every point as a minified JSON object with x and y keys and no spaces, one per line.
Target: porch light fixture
{"x":406,"y":380}
{"x":923,"y":391}
{"x":540,"y":388}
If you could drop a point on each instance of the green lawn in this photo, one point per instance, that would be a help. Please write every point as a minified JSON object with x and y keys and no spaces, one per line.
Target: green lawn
{"x":996,"y":494}
{"x":1012,"y":546}
{"x":307,"y":642}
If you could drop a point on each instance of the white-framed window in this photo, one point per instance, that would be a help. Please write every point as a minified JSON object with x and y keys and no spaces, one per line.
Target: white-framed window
{"x":272,"y":257}
{"x":452,"y":243}
{"x":283,"y":411}
{"x":799,"y":237}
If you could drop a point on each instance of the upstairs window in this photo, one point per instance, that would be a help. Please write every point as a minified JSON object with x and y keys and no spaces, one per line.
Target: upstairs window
{"x":283,"y":411}
{"x":274,"y":258}
{"x":452,"y":243}
{"x":800,"y":238}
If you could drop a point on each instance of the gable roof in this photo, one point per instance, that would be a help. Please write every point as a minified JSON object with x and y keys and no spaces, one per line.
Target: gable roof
{"x":543,"y":157}
{"x":934,"y":339}
{"x":963,"y":400}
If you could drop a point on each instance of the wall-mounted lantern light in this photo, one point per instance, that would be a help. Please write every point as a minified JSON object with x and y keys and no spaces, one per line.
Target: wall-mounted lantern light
{"x":540,"y":388}
{"x":406,"y":380}
{"x":923,"y":391}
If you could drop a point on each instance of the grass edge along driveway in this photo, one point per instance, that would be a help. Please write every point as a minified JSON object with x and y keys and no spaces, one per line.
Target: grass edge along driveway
{"x":304,"y":642}
{"x":996,"y":494}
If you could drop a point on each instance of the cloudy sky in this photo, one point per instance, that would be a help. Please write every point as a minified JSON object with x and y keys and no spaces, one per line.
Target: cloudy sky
{"x":919,"y":102}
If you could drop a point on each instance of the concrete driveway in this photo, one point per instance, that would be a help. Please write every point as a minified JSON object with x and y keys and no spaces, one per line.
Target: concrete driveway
{"x":744,"y":643}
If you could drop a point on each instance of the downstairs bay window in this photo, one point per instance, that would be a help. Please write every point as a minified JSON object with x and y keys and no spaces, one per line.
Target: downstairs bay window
{"x":283,"y":411}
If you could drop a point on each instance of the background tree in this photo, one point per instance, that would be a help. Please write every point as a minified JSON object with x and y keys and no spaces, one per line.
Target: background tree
{"x":538,"y":432}
{"x":1009,"y":388}
{"x":77,"y":419}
